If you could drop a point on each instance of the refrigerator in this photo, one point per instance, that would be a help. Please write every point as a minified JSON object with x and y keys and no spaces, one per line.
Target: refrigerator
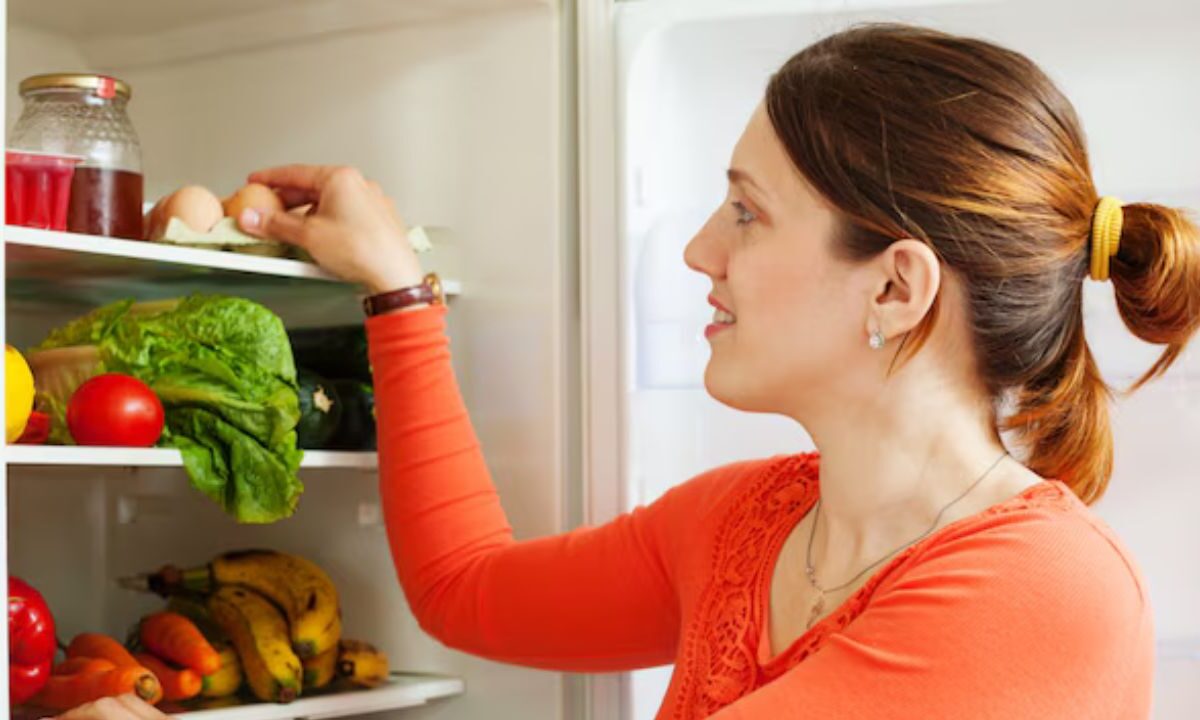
{"x":561,"y":152}
{"x":458,"y":108}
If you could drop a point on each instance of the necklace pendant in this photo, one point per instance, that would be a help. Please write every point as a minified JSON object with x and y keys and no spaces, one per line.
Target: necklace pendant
{"x":816,"y":611}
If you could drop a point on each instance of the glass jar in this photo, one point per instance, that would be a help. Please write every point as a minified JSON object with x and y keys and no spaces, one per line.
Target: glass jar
{"x":84,"y":115}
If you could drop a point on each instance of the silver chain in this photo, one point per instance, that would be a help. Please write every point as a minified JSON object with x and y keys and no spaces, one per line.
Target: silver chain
{"x":811,"y":571}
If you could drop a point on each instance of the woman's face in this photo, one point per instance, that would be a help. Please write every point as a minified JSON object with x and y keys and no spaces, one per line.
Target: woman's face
{"x":799,"y":315}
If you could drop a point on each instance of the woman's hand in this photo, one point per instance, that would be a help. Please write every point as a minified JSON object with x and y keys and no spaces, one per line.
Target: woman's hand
{"x":125,"y":707}
{"x":352,"y":229}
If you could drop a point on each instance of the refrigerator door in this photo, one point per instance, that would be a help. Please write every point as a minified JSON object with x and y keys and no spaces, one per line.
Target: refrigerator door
{"x":689,"y":76}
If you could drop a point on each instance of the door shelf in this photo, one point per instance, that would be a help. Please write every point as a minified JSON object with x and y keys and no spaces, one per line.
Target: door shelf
{"x":401,"y":691}
{"x":69,"y":455}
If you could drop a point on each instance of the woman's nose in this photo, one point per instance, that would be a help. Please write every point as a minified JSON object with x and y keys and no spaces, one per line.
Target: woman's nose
{"x":703,"y":254}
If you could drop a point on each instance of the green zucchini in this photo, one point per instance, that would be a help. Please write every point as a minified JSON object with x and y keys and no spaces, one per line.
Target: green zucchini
{"x":356,"y":430}
{"x":320,"y":410}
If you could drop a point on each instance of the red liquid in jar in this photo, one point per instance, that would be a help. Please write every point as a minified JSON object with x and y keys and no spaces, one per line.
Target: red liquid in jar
{"x":37,"y":190}
{"x":106,"y":202}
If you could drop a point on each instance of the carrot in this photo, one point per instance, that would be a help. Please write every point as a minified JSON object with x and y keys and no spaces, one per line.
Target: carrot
{"x":71,"y":666}
{"x":63,"y":692}
{"x":173,"y":637}
{"x":176,"y":684}
{"x":96,"y":645}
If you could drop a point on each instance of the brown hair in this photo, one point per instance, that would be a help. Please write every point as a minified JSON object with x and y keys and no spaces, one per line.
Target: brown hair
{"x":970,"y":148}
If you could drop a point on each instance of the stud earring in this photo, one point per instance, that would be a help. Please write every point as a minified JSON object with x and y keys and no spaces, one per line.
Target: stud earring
{"x":877,"y":340}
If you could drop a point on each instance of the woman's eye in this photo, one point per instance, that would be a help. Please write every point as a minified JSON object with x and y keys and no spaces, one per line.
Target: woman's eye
{"x":744,"y":216}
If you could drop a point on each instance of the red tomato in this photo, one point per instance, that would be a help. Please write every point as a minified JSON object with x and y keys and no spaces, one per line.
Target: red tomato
{"x":115,"y":409}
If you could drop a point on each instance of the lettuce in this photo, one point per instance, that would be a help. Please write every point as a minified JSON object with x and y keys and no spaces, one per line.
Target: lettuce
{"x":223,"y":369}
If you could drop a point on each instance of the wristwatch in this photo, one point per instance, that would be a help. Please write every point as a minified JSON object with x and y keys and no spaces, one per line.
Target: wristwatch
{"x":429,"y":292}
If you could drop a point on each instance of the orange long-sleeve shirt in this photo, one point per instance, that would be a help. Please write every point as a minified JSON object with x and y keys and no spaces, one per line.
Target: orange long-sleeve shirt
{"x":1031,"y":609}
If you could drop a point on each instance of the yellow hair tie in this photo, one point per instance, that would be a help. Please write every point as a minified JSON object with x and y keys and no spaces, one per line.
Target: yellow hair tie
{"x":1106,"y":235}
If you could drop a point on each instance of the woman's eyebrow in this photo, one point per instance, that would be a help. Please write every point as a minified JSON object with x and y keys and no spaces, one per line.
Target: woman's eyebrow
{"x":736,"y":175}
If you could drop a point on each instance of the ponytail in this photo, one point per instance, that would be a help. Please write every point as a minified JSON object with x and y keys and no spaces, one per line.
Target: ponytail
{"x":1062,"y":415}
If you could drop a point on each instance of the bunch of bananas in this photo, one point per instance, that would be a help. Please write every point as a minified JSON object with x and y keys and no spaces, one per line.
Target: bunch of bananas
{"x":281,"y":614}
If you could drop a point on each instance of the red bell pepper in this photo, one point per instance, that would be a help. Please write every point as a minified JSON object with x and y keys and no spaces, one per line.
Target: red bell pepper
{"x":37,"y":429}
{"x":31,"y":643}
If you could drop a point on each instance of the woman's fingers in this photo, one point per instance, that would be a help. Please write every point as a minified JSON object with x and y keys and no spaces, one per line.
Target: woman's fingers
{"x":125,"y":707}
{"x":285,"y":226}
{"x":305,"y":177}
{"x":140,"y":708}
{"x":295,"y":197}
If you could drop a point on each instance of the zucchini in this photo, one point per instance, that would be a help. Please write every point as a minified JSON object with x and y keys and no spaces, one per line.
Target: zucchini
{"x":356,"y":430}
{"x":320,"y":410}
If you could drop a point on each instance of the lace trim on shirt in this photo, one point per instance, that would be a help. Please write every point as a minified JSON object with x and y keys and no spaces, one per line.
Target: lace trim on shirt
{"x":719,"y":661}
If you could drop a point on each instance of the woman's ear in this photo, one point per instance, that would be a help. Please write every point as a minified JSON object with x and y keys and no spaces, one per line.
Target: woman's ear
{"x":909,"y":276}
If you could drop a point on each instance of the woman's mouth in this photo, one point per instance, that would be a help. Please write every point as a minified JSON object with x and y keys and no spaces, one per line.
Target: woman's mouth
{"x":721,"y":321}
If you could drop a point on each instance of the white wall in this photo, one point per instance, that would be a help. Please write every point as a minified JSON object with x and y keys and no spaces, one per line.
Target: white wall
{"x":689,"y":89}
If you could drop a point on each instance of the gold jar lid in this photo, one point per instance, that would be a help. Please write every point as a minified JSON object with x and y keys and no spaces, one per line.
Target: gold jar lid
{"x":102,"y":85}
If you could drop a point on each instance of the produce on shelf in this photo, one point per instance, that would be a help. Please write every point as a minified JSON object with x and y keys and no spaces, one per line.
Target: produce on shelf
{"x":18,"y":393}
{"x":177,"y":683}
{"x":296,"y":585}
{"x":225,"y":681}
{"x":175,"y":638}
{"x":37,"y":430}
{"x":260,"y":633}
{"x":222,"y":368}
{"x":89,"y":679}
{"x":98,"y":645}
{"x":361,"y":663}
{"x":31,"y":644}
{"x":115,"y":409}
{"x":320,"y":670}
{"x":356,"y":427}
{"x":320,"y":410}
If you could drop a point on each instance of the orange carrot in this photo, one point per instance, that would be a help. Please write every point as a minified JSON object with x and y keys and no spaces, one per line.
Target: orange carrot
{"x":70,"y":666}
{"x":96,"y":645}
{"x":173,"y":637}
{"x":176,"y":684}
{"x":63,"y":692}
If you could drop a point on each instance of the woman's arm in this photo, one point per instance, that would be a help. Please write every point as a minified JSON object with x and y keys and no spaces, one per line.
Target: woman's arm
{"x":595,"y":599}
{"x":1038,"y":619}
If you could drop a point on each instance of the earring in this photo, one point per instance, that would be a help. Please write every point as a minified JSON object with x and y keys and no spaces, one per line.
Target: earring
{"x":877,"y":340}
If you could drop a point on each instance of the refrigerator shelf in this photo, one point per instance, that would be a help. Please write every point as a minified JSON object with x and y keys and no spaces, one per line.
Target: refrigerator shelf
{"x":69,"y":455}
{"x":47,"y":254}
{"x":401,"y":691}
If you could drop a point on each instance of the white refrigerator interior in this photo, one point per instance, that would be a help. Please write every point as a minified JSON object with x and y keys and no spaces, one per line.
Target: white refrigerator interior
{"x":456,"y":108}
{"x":690,"y":74}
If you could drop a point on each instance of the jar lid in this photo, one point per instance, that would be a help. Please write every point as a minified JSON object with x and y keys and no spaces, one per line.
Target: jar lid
{"x":103,"y":85}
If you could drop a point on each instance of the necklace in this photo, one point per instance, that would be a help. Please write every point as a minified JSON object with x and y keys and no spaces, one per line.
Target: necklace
{"x":819,"y":606}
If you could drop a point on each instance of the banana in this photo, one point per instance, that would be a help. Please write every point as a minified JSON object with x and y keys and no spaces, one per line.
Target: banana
{"x":259,"y":632}
{"x":319,"y":671}
{"x":192,"y":607}
{"x":362,"y":663}
{"x":225,"y":681}
{"x":303,"y":590}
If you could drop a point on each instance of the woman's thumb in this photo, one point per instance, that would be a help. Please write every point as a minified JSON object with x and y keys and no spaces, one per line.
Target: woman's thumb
{"x":277,"y":225}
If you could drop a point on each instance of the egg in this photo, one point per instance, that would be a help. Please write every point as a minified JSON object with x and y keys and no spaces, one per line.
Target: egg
{"x":254,"y":195}
{"x":196,"y":206}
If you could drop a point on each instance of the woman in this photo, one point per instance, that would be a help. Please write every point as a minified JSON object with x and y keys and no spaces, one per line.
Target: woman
{"x":898,"y":266}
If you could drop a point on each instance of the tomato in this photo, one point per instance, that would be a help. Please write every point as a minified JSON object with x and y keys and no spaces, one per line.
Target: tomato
{"x":115,"y":409}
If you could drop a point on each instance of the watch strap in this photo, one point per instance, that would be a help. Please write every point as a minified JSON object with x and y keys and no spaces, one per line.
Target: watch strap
{"x":429,"y":292}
